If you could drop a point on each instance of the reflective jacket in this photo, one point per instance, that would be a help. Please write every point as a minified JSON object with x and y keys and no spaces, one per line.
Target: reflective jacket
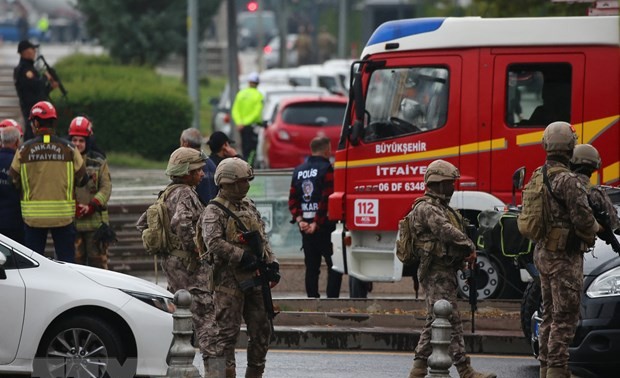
{"x":45,"y":169}
{"x":248,"y":107}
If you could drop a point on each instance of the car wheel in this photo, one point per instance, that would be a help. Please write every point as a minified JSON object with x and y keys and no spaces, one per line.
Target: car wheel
{"x":488,"y":281}
{"x":81,"y":346}
{"x":532,"y":299}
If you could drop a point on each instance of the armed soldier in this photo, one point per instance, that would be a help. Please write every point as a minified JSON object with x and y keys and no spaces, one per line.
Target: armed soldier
{"x":225,"y":225}
{"x":443,"y":248}
{"x":584,"y":162}
{"x":184,"y":209}
{"x":571,"y":230}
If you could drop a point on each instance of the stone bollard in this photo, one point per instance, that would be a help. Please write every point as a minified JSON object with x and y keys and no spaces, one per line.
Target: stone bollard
{"x":440,"y":361}
{"x":181,"y":351}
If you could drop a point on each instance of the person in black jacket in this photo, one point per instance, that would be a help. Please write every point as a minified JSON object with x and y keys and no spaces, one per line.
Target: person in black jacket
{"x":311,"y":186}
{"x":11,"y":222}
{"x":31,"y":86}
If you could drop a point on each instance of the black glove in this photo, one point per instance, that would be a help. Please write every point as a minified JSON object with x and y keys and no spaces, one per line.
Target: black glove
{"x":248,"y":261}
{"x":273,"y":272}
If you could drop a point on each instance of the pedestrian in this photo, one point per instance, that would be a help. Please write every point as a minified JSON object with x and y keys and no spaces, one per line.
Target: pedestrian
{"x":585,"y":161}
{"x":11,"y":223}
{"x":31,"y":86}
{"x":247,"y":114}
{"x":303,"y":46}
{"x":206,"y":189}
{"x":46,"y":170}
{"x":221,"y":147}
{"x":559,"y":255}
{"x":234,"y":265}
{"x":92,"y":199}
{"x":184,"y":208}
{"x":326,"y":43}
{"x":311,"y":185}
{"x":444,"y":248}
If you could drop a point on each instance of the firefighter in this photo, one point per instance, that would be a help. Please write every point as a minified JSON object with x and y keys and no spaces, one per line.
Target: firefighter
{"x":444,"y":248}
{"x":46,"y":170}
{"x":31,"y":87}
{"x":311,"y":186}
{"x":92,"y":199}
{"x":247,"y":112}
{"x":234,"y":263}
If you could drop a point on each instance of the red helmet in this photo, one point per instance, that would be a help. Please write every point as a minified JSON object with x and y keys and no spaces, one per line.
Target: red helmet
{"x":11,"y":122}
{"x":43,"y":110}
{"x":81,"y":126}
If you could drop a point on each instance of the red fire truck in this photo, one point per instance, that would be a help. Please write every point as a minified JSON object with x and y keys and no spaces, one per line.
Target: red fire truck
{"x":476,"y":92}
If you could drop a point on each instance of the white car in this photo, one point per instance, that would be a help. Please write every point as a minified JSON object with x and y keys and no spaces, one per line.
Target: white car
{"x":60,"y":319}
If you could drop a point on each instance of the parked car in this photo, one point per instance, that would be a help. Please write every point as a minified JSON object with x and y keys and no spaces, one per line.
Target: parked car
{"x":61,"y":319}
{"x":316,"y":75}
{"x":251,"y":24}
{"x":297,"y":121}
{"x":271,"y":52}
{"x":596,"y":345}
{"x":10,"y":33}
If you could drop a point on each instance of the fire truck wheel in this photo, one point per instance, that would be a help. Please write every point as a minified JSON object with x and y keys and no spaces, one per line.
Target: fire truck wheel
{"x":489,"y":280}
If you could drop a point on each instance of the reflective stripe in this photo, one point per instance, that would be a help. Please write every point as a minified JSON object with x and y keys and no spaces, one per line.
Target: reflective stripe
{"x":24,"y":179}
{"x":48,"y":209}
{"x":70,"y":180}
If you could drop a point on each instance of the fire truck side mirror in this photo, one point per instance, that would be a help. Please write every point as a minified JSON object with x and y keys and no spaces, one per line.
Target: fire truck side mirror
{"x":518,"y":178}
{"x":356,"y":132}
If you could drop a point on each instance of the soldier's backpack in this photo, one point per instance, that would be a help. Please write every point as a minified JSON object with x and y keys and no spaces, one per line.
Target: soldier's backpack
{"x":534,"y":220}
{"x":405,"y":250}
{"x":157,"y":239}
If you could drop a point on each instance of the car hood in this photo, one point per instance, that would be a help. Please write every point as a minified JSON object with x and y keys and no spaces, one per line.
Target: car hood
{"x":601,"y":259}
{"x":119,"y":280}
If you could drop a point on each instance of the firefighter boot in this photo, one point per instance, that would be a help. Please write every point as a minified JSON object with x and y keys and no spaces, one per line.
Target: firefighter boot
{"x":419,"y":369}
{"x":254,"y":371}
{"x":466,"y":371}
{"x":558,"y":372}
{"x":213,"y":369}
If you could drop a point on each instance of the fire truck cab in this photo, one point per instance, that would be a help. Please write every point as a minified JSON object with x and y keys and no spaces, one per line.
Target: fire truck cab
{"x":475,"y":92}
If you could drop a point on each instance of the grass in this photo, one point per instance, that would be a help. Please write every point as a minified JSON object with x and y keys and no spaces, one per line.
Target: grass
{"x":126,"y":160}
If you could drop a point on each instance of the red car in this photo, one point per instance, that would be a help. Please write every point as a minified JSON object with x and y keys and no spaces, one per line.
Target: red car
{"x":296,"y":122}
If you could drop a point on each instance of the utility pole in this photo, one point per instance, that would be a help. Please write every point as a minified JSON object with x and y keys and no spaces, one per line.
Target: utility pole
{"x":342,"y":28}
{"x":192,"y":60}
{"x":233,"y":65}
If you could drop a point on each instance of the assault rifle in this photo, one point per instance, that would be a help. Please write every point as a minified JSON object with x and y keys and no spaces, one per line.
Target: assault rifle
{"x":602,"y":217}
{"x":53,"y":74}
{"x":266,"y":273}
{"x":471,"y":274}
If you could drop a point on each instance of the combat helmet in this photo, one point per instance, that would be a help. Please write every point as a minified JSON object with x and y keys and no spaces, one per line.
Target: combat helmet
{"x":586,"y":154}
{"x":559,"y":136}
{"x":441,"y":170}
{"x":183,"y":160}
{"x":231,"y":170}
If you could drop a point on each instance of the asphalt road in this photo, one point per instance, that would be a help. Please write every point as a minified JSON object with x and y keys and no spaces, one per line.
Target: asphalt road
{"x":366,"y":364}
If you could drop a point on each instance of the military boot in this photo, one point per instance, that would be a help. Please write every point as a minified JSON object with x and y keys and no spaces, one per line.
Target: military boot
{"x":254,"y":371}
{"x":558,"y":372}
{"x":419,"y":369}
{"x":213,"y":369}
{"x":466,"y":371}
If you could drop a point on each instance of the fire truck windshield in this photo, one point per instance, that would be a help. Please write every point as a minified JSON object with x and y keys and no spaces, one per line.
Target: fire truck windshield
{"x":402,"y":101}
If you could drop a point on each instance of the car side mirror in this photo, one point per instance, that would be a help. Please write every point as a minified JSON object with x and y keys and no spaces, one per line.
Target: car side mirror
{"x":518,"y":179}
{"x":2,"y":262}
{"x":214,"y":101}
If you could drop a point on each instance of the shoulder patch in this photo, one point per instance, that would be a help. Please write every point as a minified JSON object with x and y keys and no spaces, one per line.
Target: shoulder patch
{"x":29,"y":74}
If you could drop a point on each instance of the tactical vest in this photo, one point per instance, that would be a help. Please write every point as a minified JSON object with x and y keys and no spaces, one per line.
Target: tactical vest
{"x":47,"y":166}
{"x":308,"y":183}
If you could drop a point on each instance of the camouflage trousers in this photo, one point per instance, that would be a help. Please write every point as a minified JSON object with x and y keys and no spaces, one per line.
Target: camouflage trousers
{"x":176,"y":272}
{"x":203,"y":317}
{"x":87,"y":252}
{"x":220,"y":341}
{"x":441,"y":284}
{"x":561,"y":282}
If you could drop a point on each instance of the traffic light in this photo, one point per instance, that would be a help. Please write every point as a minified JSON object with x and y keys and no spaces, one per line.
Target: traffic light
{"x":252,"y":6}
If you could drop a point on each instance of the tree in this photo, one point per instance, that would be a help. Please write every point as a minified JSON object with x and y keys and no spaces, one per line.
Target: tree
{"x":143,"y":31}
{"x":525,"y":8}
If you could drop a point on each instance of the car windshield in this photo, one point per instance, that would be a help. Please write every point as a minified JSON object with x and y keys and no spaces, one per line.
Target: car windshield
{"x":314,"y":114}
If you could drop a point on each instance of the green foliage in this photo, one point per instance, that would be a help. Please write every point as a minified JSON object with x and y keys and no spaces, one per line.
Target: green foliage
{"x":133,"y":110}
{"x":122,"y":159}
{"x":143,"y":31}
{"x":525,"y":8}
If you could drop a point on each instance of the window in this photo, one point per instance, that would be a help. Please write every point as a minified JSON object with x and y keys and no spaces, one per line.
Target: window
{"x":314,"y":114}
{"x":404,"y":101}
{"x":538,"y":94}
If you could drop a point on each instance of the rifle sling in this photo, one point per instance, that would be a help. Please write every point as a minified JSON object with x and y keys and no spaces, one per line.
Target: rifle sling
{"x":546,"y":181}
{"x":231,"y":214}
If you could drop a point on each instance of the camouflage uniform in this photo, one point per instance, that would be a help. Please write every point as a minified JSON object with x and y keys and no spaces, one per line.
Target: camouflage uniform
{"x":559,"y":260}
{"x":185,"y":208}
{"x":444,"y":246}
{"x":221,"y":239}
{"x":597,"y":196}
